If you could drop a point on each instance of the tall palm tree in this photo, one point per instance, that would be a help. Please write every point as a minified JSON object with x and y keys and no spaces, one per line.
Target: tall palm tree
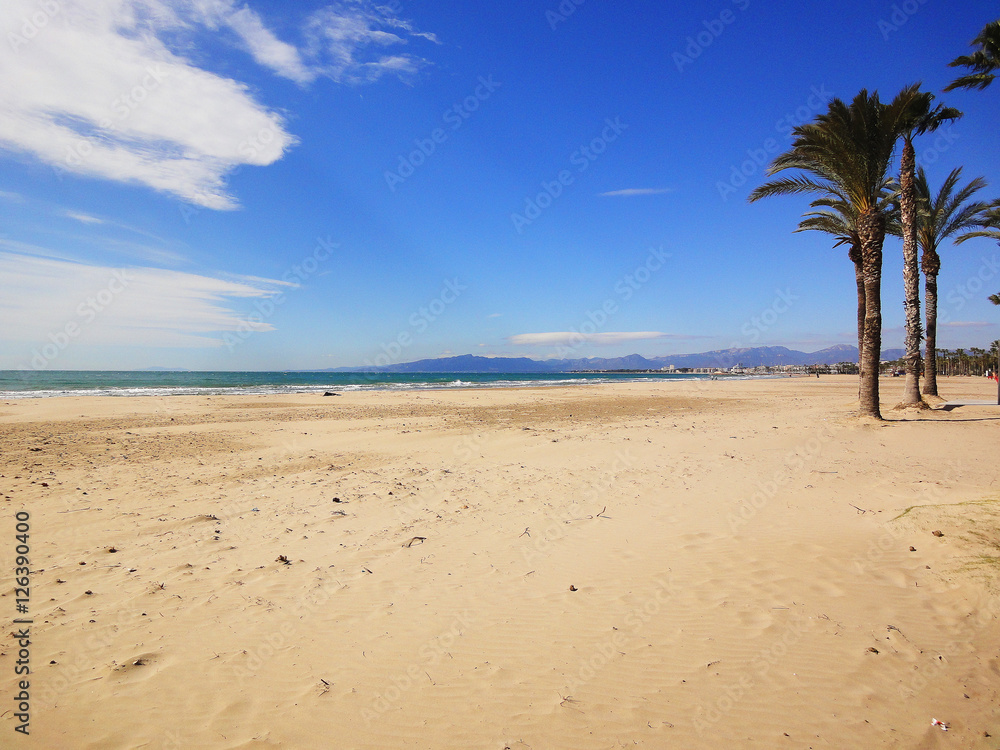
{"x":995,"y":299}
{"x":982,"y":63}
{"x":949,"y":213}
{"x":838,"y":217}
{"x":919,"y":117}
{"x":846,"y":151}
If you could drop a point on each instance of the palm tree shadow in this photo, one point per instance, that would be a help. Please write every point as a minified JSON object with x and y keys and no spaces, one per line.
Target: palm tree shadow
{"x":952,"y":407}
{"x":947,"y":408}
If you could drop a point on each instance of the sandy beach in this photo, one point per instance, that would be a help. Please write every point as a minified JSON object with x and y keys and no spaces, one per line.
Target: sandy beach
{"x":737,"y":564}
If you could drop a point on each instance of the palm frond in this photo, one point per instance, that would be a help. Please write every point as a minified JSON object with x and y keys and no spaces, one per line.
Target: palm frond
{"x":982,"y":64}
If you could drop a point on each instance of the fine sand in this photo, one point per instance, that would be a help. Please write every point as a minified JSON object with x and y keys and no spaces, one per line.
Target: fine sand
{"x":664,"y":565}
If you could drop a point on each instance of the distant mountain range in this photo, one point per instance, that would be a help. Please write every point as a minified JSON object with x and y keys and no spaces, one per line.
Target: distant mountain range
{"x":761,"y":356}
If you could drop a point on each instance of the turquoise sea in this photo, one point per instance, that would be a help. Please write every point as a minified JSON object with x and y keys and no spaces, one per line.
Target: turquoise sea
{"x":46,"y":383}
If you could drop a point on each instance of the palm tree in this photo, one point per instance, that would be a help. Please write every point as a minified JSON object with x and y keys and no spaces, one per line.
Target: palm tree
{"x":838,"y":217}
{"x":995,"y":299}
{"x":846,"y":152}
{"x":919,"y":117}
{"x":949,"y":213}
{"x":982,"y":63}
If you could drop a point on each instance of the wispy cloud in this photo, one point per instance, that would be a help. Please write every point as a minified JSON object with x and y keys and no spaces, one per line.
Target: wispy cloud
{"x":495,"y":315}
{"x":965,"y":324}
{"x":82,"y":217}
{"x":14,"y":197}
{"x":572,"y":338}
{"x":630,"y":192}
{"x":148,"y":307}
{"x":350,"y":41}
{"x":262,"y":44}
{"x":100,"y":92}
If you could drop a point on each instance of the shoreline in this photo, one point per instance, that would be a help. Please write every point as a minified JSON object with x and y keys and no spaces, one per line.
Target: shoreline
{"x":420,"y":387}
{"x":738,"y":550}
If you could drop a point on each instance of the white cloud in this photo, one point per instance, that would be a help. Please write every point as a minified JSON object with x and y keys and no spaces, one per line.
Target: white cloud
{"x":351,"y":38}
{"x":965,"y":324}
{"x":269,"y":51}
{"x":15,"y":197}
{"x":96,"y":91}
{"x":111,"y":306}
{"x":571,"y":338}
{"x":82,"y":217}
{"x":630,"y":192}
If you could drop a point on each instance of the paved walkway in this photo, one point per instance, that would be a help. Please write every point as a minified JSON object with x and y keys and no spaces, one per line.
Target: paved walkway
{"x":949,"y":405}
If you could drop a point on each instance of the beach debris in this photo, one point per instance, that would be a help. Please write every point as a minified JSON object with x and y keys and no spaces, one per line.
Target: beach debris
{"x":331,"y":393}
{"x":573,"y":588}
{"x":913,"y":549}
{"x":937,"y":533}
{"x":283,"y":559}
{"x":88,"y":592}
{"x":420,"y":539}
{"x":112,"y":550}
{"x":872,"y":650}
{"x":525,"y":532}
{"x":338,"y":513}
{"x":568,"y":701}
{"x":936,"y":723}
{"x":338,"y":500}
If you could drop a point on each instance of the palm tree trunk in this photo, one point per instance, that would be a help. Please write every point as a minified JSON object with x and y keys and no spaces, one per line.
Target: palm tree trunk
{"x":930,"y":358}
{"x":859,"y":276}
{"x":911,"y":274}
{"x":871,"y":230}
{"x":931,"y":265}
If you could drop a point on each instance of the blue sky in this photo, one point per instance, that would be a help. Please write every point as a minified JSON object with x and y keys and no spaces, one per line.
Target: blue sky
{"x":209,"y":184}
